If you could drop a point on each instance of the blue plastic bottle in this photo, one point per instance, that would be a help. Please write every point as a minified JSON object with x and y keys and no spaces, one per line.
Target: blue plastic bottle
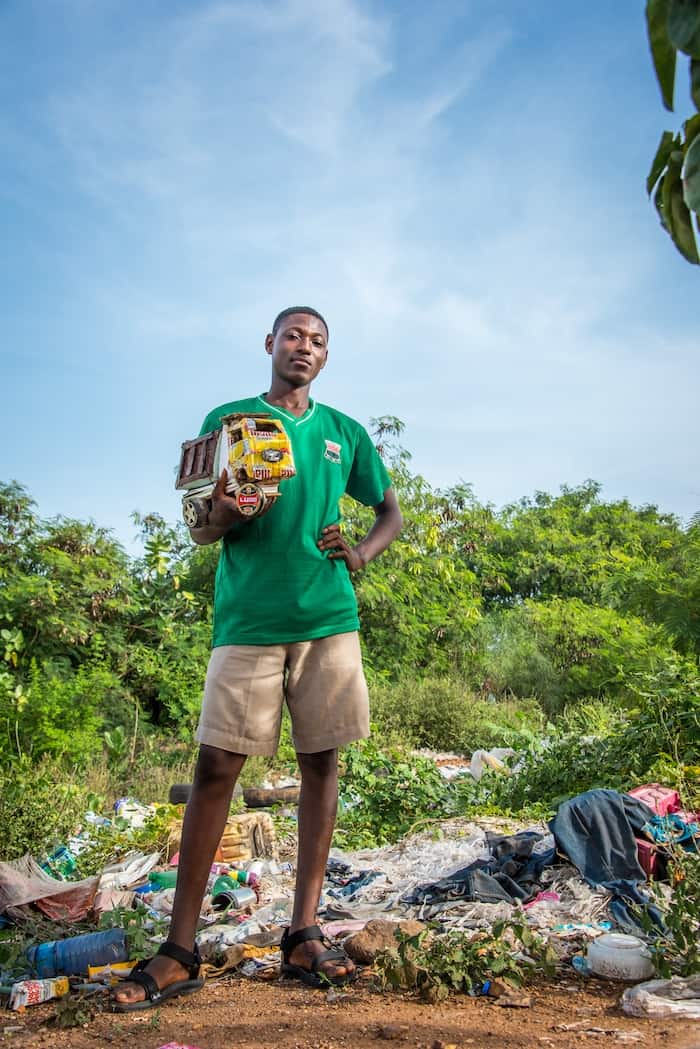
{"x":72,"y":957}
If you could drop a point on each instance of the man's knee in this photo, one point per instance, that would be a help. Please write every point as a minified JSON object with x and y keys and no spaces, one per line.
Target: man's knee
{"x":216,"y":767}
{"x":323,"y":764}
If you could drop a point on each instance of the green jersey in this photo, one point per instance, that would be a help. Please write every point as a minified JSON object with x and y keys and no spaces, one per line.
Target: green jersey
{"x":273,"y":584}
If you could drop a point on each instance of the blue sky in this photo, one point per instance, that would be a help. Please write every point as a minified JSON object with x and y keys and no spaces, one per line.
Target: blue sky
{"x":460,"y":193}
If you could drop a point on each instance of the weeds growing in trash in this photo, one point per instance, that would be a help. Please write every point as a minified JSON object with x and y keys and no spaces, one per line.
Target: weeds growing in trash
{"x":436,"y":965}
{"x":111,"y":843}
{"x":595,"y":744}
{"x":39,"y":803}
{"x":75,"y":1011}
{"x":142,"y":927}
{"x":384,"y":793}
{"x":677,"y":951}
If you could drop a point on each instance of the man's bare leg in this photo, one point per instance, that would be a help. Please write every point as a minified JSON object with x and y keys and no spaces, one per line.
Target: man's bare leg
{"x":318,"y":806}
{"x":205,"y":818}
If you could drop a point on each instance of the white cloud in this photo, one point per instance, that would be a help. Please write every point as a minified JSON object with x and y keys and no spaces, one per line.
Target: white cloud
{"x":478,"y":282}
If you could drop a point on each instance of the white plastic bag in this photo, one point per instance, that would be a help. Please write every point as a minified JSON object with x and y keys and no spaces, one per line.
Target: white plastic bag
{"x":664,"y":999}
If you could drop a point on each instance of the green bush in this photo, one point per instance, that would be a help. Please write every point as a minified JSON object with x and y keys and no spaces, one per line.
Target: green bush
{"x":384,"y":793}
{"x":597,"y":745}
{"x":169,"y":677}
{"x":40,"y":806}
{"x":60,"y":712}
{"x":564,"y":650}
{"x":441,"y":713}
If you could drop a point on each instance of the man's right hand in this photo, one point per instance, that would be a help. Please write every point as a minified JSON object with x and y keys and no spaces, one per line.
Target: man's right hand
{"x":224,"y":509}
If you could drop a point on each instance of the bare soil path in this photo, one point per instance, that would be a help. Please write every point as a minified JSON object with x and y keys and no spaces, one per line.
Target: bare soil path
{"x":236,"y":1013}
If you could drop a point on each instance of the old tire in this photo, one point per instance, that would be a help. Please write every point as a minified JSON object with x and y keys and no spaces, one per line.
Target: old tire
{"x":179,"y":793}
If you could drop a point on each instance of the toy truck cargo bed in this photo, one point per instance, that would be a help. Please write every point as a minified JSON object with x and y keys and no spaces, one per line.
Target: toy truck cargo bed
{"x":256,"y":454}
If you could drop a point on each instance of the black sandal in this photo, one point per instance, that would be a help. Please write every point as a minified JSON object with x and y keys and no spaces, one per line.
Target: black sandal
{"x":190,"y":960}
{"x":312,"y":976}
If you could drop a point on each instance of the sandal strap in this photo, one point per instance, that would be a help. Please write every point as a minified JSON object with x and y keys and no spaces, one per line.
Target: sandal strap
{"x":328,"y":956}
{"x":189,"y":960}
{"x":293,"y":939}
{"x":145,"y":980}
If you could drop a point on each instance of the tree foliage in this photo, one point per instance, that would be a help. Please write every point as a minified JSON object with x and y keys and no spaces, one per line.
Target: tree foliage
{"x":673,"y":28}
{"x":558,"y":599}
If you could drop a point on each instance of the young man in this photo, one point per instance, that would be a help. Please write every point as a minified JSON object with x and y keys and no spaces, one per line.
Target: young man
{"x":285,"y":628}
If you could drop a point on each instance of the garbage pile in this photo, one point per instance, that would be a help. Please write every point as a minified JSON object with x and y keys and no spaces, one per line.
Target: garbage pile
{"x":579,"y":882}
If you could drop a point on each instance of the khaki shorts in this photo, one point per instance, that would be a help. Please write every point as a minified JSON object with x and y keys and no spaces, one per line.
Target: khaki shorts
{"x":321,"y":680}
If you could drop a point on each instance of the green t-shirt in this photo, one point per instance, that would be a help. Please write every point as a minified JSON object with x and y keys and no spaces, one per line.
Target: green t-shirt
{"x":273,"y":584}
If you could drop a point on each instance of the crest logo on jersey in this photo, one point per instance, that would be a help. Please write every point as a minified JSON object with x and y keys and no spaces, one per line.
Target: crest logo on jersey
{"x":332,"y":452}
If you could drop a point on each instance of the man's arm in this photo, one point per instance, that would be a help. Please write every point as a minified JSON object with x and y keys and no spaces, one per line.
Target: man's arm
{"x":222,"y":515}
{"x":387,"y":525}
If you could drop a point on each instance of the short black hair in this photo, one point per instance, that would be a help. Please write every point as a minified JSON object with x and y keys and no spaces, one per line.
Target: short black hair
{"x":299,"y":309}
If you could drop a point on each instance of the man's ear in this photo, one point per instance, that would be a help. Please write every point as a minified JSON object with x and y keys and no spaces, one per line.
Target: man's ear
{"x":325,"y":359}
{"x":269,"y":344}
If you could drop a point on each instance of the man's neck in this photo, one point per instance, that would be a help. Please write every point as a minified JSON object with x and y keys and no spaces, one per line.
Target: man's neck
{"x":294,"y":399}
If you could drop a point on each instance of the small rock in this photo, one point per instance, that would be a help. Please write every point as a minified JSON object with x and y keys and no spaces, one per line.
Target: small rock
{"x":497,"y":989}
{"x":391,"y":1032}
{"x":377,"y":935}
{"x":512,"y":1001}
{"x":437,"y":1044}
{"x":334,"y":996}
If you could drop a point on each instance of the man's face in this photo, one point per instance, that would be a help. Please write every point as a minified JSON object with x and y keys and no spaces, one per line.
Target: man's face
{"x":299,"y":348}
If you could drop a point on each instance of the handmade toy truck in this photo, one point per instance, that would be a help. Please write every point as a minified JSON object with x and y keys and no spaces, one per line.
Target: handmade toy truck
{"x":256,"y":453}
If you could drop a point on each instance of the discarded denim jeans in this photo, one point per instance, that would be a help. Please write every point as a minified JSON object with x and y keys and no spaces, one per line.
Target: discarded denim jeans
{"x":510,"y":874}
{"x":352,"y":886}
{"x":597,"y":831}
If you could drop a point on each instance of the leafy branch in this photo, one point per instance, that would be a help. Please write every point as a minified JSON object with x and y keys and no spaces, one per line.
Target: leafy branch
{"x":673,"y":27}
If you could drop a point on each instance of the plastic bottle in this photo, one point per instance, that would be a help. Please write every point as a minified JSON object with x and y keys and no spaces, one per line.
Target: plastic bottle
{"x":228,"y":882}
{"x":163,"y":879}
{"x":278,"y":912}
{"x":242,"y":877}
{"x":72,"y":957}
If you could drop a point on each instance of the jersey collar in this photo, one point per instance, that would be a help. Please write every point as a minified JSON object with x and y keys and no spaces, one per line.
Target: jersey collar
{"x":296,"y":419}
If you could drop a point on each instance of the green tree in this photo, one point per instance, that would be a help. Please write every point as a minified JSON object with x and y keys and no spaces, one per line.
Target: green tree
{"x":567,"y":545}
{"x":419,"y":601}
{"x":673,"y":28}
{"x":563,"y":650}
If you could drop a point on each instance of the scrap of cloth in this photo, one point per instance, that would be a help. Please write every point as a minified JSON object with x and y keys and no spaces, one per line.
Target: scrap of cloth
{"x":672,"y":829}
{"x":510,"y":874}
{"x":597,"y":831}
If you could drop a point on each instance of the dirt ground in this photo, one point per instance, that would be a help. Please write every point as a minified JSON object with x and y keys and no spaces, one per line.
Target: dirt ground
{"x":237,"y":1013}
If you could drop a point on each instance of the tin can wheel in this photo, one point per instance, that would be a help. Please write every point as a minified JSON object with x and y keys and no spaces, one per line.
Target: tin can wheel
{"x":195,"y":512}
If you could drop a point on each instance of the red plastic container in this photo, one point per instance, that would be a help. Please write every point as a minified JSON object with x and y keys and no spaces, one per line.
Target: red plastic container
{"x":647,"y":854}
{"x":661,"y":799}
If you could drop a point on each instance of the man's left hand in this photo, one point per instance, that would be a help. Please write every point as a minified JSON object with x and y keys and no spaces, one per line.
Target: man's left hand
{"x":339,"y":549}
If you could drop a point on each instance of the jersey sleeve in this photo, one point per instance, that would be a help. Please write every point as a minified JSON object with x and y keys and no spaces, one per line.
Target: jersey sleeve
{"x":369,"y":478}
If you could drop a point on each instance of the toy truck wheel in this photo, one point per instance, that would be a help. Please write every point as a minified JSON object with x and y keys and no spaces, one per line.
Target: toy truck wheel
{"x":195,"y":512}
